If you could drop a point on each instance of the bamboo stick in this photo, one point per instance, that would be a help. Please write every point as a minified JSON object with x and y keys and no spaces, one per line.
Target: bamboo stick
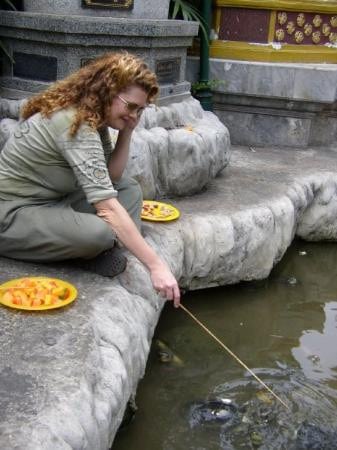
{"x":233,"y":355}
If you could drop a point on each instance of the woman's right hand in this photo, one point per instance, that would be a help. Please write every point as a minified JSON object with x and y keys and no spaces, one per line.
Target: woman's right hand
{"x":165,"y":283}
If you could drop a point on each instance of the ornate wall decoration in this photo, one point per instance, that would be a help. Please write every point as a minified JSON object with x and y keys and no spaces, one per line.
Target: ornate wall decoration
{"x":307,"y":29}
{"x":279,"y":34}
{"x":254,"y":25}
{"x":333,"y":21}
{"x":299,"y":36}
{"x":282,"y":18}
{"x":300,"y":20}
{"x":326,"y":29}
{"x":317,"y":20}
{"x":316,"y":37}
{"x":290,"y":27}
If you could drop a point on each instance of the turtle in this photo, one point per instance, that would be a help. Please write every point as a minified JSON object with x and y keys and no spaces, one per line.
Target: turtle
{"x":217,"y":410}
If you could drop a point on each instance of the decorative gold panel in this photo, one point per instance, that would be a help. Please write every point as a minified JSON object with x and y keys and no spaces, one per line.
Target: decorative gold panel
{"x":295,"y":31}
{"x":307,"y":28}
{"x":322,"y":6}
{"x":108,"y":4}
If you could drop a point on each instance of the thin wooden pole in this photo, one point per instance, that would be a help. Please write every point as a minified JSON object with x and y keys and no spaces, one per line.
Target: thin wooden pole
{"x":233,"y":355}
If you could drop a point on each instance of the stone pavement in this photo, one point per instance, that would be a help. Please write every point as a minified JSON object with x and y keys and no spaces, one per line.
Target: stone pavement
{"x":66,"y":375}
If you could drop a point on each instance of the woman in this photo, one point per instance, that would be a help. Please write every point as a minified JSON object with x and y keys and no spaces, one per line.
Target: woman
{"x":62,"y":191}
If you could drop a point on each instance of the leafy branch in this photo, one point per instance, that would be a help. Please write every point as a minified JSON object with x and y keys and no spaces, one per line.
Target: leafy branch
{"x":185,"y":10}
{"x":8,"y":3}
{"x":205,"y":85}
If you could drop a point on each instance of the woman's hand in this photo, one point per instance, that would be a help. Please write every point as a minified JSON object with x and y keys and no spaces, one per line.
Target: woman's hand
{"x":112,"y":212}
{"x":164,"y":283}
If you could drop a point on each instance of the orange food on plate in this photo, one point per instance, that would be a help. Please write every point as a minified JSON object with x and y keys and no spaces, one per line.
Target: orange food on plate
{"x":35,"y":292}
{"x":158,"y":211}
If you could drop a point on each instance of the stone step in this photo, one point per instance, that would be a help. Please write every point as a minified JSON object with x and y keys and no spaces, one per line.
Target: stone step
{"x":66,"y":376}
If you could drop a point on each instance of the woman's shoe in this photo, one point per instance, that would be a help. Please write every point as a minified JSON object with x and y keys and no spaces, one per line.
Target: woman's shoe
{"x":109,"y":263}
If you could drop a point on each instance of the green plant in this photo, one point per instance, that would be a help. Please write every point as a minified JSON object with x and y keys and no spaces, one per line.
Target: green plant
{"x":187,"y":10}
{"x":2,"y":46}
{"x":7,"y":3}
{"x":199,"y":86}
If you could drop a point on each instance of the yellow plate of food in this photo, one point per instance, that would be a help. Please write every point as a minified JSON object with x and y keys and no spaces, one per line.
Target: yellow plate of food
{"x":158,"y":211}
{"x":37,"y":293}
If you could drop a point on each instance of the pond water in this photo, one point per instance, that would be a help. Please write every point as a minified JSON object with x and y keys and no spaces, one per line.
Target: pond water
{"x":283,"y":328}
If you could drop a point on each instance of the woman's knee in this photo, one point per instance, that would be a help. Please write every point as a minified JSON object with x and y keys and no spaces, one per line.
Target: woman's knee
{"x":97,"y":238}
{"x":130,"y":194}
{"x":136,"y":192}
{"x":129,"y":188}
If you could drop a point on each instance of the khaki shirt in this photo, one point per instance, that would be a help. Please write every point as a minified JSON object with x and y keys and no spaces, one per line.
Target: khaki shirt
{"x":42,"y":162}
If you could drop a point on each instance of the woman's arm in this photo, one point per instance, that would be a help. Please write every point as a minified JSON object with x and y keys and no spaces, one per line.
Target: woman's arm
{"x":161,"y":276}
{"x":119,"y":156}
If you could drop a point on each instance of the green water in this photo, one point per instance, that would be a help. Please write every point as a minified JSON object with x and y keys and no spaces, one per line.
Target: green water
{"x":283,"y":328}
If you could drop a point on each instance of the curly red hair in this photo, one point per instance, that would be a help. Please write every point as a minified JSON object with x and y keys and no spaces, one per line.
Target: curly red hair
{"x":91,"y":89}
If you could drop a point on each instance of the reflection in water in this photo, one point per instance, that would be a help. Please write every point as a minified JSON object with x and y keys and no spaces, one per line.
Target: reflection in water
{"x":317,"y":353}
{"x":284,"y":331}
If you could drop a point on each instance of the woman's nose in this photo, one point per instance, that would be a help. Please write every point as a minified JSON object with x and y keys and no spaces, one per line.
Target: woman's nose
{"x":133,"y":114}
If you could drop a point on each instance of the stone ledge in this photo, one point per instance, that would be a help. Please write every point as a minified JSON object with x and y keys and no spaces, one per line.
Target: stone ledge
{"x":66,"y":375}
{"x":72,"y":40}
{"x":96,"y":25}
{"x":292,"y":81}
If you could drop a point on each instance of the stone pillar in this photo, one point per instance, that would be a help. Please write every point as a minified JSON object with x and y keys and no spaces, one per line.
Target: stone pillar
{"x":130,"y":9}
{"x":51,"y":39}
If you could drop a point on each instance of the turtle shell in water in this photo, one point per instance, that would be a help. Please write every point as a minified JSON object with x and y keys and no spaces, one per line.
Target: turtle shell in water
{"x":219,"y":410}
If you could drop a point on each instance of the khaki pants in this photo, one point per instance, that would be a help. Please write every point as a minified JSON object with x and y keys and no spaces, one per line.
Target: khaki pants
{"x":67,"y":229}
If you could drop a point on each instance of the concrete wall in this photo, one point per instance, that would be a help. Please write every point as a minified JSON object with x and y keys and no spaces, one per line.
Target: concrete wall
{"x":282,"y":104}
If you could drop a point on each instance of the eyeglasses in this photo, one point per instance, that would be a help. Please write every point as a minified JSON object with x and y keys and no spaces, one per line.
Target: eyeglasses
{"x":132,"y":107}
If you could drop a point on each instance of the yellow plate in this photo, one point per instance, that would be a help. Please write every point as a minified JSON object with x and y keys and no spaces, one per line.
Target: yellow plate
{"x":158,"y":211}
{"x":12,"y":284}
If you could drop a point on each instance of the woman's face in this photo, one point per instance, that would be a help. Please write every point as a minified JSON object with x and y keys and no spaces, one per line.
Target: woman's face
{"x":126,"y":108}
